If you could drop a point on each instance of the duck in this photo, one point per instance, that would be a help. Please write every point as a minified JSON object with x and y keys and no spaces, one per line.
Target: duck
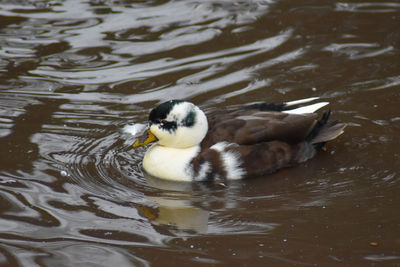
{"x":235,"y":142}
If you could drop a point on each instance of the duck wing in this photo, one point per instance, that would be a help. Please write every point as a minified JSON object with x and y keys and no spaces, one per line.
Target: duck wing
{"x":248,"y":127}
{"x":249,"y":142}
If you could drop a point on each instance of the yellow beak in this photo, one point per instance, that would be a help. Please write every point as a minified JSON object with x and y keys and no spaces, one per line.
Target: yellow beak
{"x":148,"y":138}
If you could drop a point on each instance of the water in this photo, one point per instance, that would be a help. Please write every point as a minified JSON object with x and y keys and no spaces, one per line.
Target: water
{"x":74,"y":73}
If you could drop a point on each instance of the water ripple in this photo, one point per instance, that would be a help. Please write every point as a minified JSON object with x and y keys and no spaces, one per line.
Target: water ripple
{"x":373,"y":7}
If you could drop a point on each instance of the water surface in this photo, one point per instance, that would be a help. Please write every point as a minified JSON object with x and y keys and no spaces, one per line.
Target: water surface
{"x":74,"y":73}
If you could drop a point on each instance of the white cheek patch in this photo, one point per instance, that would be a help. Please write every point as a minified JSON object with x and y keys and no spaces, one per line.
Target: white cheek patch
{"x":231,"y":161}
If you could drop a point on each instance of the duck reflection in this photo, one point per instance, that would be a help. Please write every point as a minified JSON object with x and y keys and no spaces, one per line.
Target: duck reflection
{"x":176,"y":206}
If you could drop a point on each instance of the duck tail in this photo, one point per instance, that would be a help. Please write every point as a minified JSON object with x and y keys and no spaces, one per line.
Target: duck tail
{"x":325,"y":130}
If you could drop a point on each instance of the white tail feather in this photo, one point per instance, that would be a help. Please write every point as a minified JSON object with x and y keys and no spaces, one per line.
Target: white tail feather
{"x":307,"y":109}
{"x":301,"y":101}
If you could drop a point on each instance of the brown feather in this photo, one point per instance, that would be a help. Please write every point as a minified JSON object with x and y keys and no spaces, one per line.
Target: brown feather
{"x":266,"y":140}
{"x":328,"y":132}
{"x":252,"y":126}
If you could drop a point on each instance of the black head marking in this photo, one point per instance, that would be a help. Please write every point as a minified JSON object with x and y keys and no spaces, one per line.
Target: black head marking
{"x":161,"y":112}
{"x":190,"y":119}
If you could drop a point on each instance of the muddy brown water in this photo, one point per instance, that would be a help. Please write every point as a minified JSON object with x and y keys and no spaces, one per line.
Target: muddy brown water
{"x":73,"y":73}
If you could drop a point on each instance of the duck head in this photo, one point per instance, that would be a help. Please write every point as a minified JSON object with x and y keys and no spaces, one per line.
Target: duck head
{"x":177,"y":124}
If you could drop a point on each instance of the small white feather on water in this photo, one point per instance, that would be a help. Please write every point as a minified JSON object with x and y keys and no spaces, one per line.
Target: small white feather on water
{"x":135,"y":130}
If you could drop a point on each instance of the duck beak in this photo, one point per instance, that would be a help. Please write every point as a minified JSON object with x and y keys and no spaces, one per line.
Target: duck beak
{"x":145,"y":139}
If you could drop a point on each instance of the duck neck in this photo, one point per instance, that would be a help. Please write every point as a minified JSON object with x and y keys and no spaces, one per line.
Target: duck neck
{"x":169,"y":162}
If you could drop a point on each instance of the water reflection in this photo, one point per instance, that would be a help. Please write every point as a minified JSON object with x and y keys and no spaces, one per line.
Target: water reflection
{"x":176,"y":207}
{"x":18,"y":145}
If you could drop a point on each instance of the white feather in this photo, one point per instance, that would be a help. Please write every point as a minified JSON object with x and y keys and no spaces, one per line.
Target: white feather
{"x":170,"y":163}
{"x":204,"y":169}
{"x":307,"y":109}
{"x":230,"y":160}
{"x":135,"y":130}
{"x":301,"y":101}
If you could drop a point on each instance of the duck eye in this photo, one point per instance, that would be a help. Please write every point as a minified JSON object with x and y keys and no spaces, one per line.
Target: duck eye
{"x":167,"y":125}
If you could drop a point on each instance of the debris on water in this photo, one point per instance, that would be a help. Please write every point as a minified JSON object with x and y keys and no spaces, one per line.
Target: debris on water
{"x":221,"y":184}
{"x":64,"y":173}
{"x":7,"y":181}
{"x":373,"y":244}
